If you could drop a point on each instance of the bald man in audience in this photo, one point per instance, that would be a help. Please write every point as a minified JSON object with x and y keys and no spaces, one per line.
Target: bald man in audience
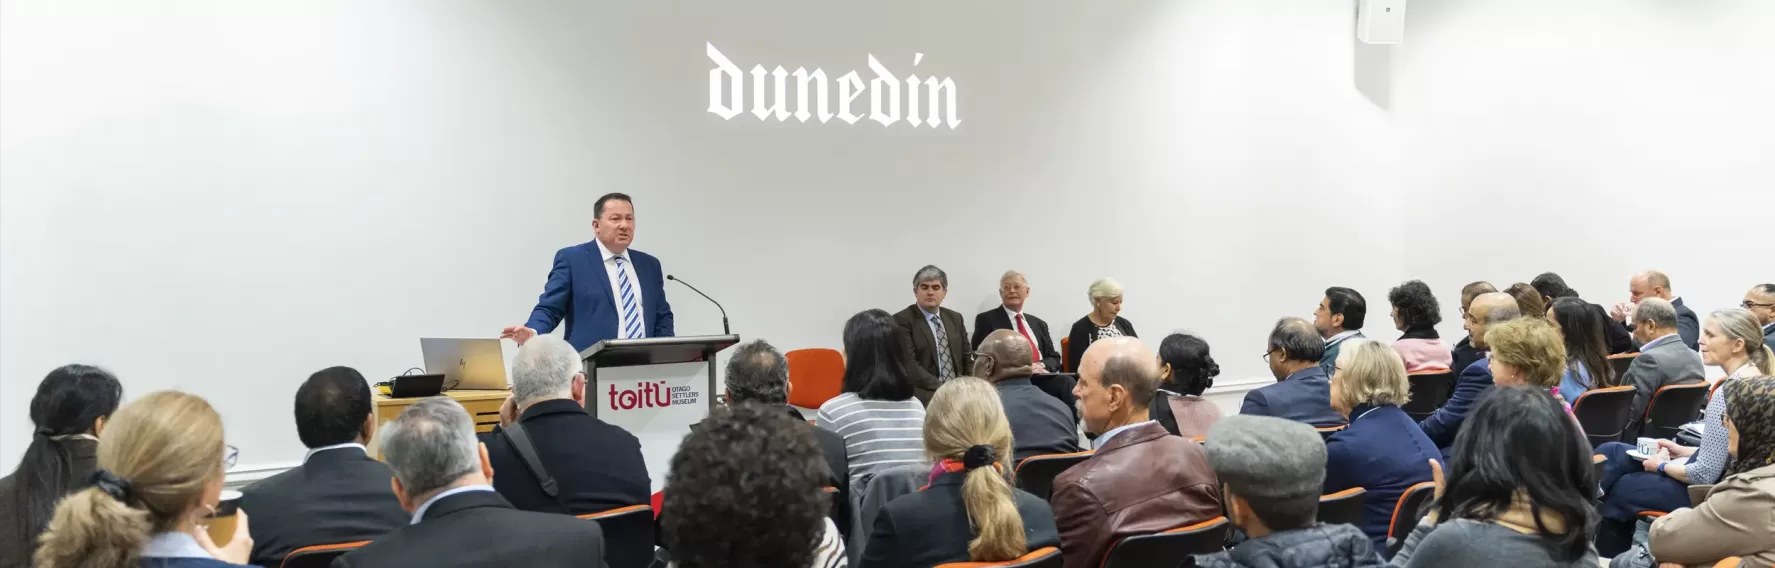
{"x":1465,"y":353}
{"x":1663,"y":360}
{"x":1487,"y":310}
{"x":1040,"y":424}
{"x":1760,"y":300}
{"x":1654,"y":284}
{"x":1141,"y":480}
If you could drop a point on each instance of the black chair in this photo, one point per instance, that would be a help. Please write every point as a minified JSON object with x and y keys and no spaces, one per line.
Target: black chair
{"x":1406,"y":514}
{"x":1621,"y":362}
{"x":1343,"y":507}
{"x":628,"y":535}
{"x":1672,"y":407}
{"x":1604,"y":413}
{"x":1036,"y":474}
{"x":1428,"y":392}
{"x":1168,"y":548}
{"x":1044,"y":557}
{"x":318,"y":556}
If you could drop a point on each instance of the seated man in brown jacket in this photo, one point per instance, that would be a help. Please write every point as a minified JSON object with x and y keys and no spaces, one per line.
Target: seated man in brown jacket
{"x":1142,"y":480}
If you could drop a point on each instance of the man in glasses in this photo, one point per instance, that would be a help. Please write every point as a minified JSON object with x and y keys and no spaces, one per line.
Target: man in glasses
{"x":1760,"y":300}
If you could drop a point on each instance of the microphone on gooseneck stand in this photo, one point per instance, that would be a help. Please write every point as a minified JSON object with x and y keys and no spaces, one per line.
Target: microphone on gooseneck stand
{"x":724,"y":328}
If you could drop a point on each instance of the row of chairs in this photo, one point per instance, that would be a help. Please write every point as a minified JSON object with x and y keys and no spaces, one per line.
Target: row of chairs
{"x":817,"y":375}
{"x":628,"y":541}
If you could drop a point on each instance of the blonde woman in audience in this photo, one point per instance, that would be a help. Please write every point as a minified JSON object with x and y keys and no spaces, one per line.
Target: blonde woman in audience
{"x":1528,"y":351}
{"x":161,"y":463}
{"x":1103,"y":322}
{"x":969,"y":512}
{"x":1382,"y":450}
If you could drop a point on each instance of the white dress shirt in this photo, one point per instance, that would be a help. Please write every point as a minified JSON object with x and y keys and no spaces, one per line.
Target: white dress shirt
{"x":310,"y":454}
{"x":616,"y":287}
{"x":1103,"y":438}
{"x":420,"y":512}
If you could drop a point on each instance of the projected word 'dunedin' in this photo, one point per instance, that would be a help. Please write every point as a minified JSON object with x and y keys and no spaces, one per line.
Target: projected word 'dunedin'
{"x":812,"y":91}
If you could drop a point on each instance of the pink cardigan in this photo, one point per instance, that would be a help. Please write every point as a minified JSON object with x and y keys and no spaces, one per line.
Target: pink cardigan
{"x":1422,"y":355}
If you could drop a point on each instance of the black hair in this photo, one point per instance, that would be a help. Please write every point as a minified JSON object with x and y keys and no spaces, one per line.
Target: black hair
{"x":1192,"y":369}
{"x":873,"y":363}
{"x":746,"y":492}
{"x":1552,"y":286}
{"x":756,"y":372}
{"x":1520,"y":438}
{"x":598,"y":208}
{"x":331,"y":406}
{"x":1586,"y":341}
{"x":1297,"y":339}
{"x":1416,"y":304}
{"x":68,"y":402}
{"x":1348,"y":303}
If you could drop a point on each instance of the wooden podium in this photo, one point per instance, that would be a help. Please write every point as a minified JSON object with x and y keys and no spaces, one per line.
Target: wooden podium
{"x":619,"y":353}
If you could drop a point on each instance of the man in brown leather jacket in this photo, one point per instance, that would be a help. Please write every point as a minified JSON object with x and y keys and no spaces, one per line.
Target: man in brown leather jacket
{"x":1142,"y":480}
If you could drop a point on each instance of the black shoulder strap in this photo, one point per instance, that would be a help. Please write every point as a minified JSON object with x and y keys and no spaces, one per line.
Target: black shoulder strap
{"x":527,"y":451}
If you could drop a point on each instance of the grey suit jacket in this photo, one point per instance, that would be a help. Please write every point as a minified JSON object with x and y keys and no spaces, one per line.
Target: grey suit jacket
{"x":1769,"y":335}
{"x":1662,"y":362}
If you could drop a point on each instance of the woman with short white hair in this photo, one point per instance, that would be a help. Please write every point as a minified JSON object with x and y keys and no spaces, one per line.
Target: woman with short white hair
{"x":1102,"y":323}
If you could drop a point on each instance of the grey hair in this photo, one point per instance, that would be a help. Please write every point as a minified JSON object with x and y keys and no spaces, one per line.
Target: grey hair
{"x":1298,"y":339}
{"x":758,"y":373}
{"x":1009,"y":274}
{"x":1105,"y":288}
{"x":1138,"y":375}
{"x":1656,"y":310}
{"x":1276,"y":465}
{"x":928,"y":273}
{"x":544,"y":368}
{"x":1502,"y":313}
{"x":430,"y":445}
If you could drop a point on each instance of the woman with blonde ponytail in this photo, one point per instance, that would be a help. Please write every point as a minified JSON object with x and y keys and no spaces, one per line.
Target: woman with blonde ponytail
{"x":160,"y":473}
{"x":969,"y":512}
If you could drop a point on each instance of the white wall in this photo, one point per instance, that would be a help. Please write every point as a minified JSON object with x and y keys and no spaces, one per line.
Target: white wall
{"x":226,"y":196}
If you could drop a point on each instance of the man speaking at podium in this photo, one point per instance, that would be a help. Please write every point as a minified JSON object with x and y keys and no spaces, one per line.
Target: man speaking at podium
{"x":603,"y":288}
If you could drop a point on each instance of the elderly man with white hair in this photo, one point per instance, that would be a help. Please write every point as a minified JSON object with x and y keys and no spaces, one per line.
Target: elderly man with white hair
{"x":441,"y":477}
{"x":1103,"y":322}
{"x":1013,"y":295}
{"x":546,"y":433}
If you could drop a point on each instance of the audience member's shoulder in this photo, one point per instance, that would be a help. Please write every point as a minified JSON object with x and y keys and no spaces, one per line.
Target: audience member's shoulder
{"x":1028,"y":503}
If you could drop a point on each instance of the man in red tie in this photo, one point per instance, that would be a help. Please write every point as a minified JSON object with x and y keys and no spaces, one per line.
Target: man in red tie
{"x":1013,"y":291}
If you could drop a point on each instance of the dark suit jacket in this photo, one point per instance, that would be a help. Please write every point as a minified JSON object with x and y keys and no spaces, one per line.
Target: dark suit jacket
{"x":1619,"y":337}
{"x":479,"y":528}
{"x":1661,"y":363}
{"x":920,"y":347}
{"x":1084,"y":332}
{"x":338,"y":495}
{"x":85,"y":454}
{"x":1039,"y":424}
{"x":1304,"y":396}
{"x":578,"y":289}
{"x":1769,"y":336}
{"x":1142,"y":481}
{"x":996,"y":319}
{"x":832,"y":447}
{"x":1473,"y":383}
{"x":1465,"y":354}
{"x":931,"y":527}
{"x":1384,"y":452}
{"x":596,"y":466}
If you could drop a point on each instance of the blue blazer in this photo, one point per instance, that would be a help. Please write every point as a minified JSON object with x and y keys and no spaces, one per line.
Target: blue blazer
{"x":1473,"y":383}
{"x":1384,"y":452}
{"x":1304,"y":396}
{"x":578,"y":289}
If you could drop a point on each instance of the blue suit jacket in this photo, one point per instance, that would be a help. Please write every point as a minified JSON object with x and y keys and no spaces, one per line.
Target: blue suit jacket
{"x":1383,"y":452}
{"x":579,"y":290}
{"x":1304,"y":396}
{"x":1473,"y":383}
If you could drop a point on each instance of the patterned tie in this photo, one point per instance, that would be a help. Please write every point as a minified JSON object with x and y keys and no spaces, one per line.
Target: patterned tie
{"x":945,"y":367}
{"x":631,"y":313}
{"x":1034,"y":352}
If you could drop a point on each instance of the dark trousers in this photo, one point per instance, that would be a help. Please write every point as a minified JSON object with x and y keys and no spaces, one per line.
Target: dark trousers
{"x":1628,"y":489}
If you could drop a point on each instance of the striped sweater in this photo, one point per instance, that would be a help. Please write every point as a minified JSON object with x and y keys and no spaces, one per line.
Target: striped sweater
{"x":878,"y":434}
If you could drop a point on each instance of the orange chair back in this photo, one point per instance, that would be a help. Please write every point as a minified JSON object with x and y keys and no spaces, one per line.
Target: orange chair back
{"x":1672,"y":407}
{"x":628,"y":535}
{"x":1343,"y":507}
{"x":1035,"y":474}
{"x":1729,"y":562}
{"x":1622,"y":361}
{"x":1161,"y":549}
{"x":1066,"y":355}
{"x":1044,"y":557}
{"x":318,"y":556}
{"x":1604,"y":413}
{"x":815,"y":376}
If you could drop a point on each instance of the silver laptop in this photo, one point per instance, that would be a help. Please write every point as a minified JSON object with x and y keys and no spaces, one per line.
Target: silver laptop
{"x":477,"y":364}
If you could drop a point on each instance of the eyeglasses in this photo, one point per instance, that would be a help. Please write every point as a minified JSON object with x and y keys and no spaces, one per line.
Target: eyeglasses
{"x":230,"y":456}
{"x":1749,"y":305}
{"x":1266,"y":356}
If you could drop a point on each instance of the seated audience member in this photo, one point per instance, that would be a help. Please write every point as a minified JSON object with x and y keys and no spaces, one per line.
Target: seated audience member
{"x":1552,"y":287}
{"x":1760,"y":300}
{"x":1528,"y":300}
{"x":1141,"y":480}
{"x":442,"y":476}
{"x":758,"y":374}
{"x":1654,"y":284}
{"x":1013,"y":291}
{"x":1383,"y":450}
{"x":969,"y":512}
{"x":1489,"y":309}
{"x":744,"y":492}
{"x":1663,"y":359}
{"x":1464,"y":353}
{"x":161,"y":462}
{"x":1270,"y":471}
{"x":1586,"y":348}
{"x":596,"y":466}
{"x":933,"y":339}
{"x":1339,"y":318}
{"x":338,"y":494}
{"x":1415,"y":314}
{"x":876,"y":414}
{"x":1303,"y":389}
{"x":68,"y":413}
{"x":1517,"y":493}
{"x":1734,"y":520}
{"x":1187,"y":371}
{"x":1527,"y":352}
{"x":1102,"y":323}
{"x":1730,"y":341}
{"x":1040,"y":424}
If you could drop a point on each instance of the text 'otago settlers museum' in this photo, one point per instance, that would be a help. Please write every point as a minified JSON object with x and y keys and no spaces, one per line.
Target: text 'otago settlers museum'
{"x":650,"y":394}
{"x":770,"y":94}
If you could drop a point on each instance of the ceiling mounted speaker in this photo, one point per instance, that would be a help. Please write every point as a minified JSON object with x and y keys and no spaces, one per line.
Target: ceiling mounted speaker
{"x":1380,"y":21}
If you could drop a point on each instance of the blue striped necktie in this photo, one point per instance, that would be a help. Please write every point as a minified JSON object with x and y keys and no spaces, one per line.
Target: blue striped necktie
{"x":631,"y":310}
